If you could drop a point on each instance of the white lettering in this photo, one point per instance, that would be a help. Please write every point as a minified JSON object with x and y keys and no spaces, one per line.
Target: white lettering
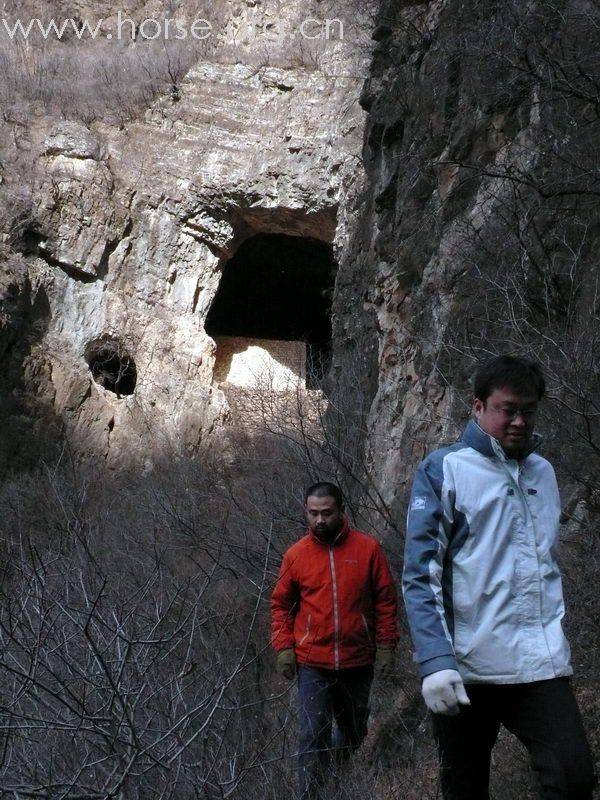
{"x":157,"y":29}
{"x":181,"y":30}
{"x":85,"y":26}
{"x":303,"y":28}
{"x":148,"y":29}
{"x":204,"y":25}
{"x":329,"y":23}
{"x":121,"y":22}
{"x":52,"y":26}
{"x":18,"y":26}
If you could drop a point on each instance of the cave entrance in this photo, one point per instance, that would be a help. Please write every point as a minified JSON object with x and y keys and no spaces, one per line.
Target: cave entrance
{"x":276,"y":289}
{"x":111,"y":365}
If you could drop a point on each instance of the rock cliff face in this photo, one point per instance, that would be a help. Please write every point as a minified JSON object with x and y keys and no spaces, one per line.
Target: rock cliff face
{"x":125,"y":230}
{"x":442,"y":158}
{"x":478,"y":223}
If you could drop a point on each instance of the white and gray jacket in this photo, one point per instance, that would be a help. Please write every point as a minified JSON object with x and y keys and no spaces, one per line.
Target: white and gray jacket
{"x":482,"y":587}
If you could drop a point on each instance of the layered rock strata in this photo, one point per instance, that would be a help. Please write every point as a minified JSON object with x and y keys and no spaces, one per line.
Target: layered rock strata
{"x":128,"y":228}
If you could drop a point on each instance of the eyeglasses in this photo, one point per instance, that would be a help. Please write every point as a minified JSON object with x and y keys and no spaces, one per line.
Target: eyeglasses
{"x":512,"y":413}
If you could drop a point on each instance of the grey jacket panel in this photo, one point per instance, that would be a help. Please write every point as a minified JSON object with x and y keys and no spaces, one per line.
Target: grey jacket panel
{"x":481,"y":584}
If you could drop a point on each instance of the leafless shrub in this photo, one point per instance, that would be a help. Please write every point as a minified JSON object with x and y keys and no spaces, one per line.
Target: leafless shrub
{"x":130,"y":658}
{"x":89,"y":77}
{"x":134,"y":657}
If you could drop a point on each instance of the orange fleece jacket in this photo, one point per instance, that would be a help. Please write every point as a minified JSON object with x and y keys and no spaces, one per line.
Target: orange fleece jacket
{"x":334,"y":604}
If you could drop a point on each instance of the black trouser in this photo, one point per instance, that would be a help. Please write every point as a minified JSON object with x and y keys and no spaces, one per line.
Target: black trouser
{"x":543,"y":715}
{"x":326,"y":695}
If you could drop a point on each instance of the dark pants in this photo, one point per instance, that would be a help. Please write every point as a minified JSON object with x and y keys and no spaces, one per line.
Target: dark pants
{"x":324,"y":696}
{"x":543,"y":715}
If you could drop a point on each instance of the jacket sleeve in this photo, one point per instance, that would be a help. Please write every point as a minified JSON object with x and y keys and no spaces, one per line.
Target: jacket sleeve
{"x":428,"y":527}
{"x":284,"y":605}
{"x":385,"y":602}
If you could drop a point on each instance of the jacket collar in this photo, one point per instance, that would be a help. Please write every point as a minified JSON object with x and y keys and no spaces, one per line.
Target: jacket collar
{"x":479,"y":440}
{"x":343,"y":533}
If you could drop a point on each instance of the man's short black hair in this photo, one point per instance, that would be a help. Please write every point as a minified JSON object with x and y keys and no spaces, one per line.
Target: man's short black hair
{"x":325,"y":489}
{"x":509,"y":372}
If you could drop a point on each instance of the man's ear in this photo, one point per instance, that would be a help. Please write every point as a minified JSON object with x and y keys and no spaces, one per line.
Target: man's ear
{"x":477,"y":408}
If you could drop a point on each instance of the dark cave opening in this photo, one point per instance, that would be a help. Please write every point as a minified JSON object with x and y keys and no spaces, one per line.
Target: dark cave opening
{"x":111,"y":365}
{"x":279,"y":287}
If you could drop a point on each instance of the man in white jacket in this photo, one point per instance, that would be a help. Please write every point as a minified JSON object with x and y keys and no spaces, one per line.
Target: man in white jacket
{"x":484,"y":597}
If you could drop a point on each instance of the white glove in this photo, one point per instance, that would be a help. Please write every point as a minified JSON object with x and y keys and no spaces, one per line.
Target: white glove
{"x":444,"y":692}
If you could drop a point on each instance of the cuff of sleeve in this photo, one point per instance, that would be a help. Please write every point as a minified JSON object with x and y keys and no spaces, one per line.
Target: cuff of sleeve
{"x":436,"y":665}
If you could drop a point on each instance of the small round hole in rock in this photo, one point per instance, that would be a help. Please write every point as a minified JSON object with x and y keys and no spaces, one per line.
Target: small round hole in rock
{"x":111,"y":365}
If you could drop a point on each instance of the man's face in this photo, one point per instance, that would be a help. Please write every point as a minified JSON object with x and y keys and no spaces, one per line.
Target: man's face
{"x":509,"y":417}
{"x":323,"y":516}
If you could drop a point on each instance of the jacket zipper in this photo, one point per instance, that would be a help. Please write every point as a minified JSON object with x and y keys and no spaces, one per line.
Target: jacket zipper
{"x":336,"y":615}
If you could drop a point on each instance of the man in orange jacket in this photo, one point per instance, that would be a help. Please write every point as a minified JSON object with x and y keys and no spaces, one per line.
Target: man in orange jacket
{"x":334,"y":612}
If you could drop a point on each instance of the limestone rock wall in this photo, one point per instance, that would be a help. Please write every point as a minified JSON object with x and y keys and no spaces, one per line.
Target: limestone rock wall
{"x":478,"y":224}
{"x":437,"y":146}
{"x":126,"y":228}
